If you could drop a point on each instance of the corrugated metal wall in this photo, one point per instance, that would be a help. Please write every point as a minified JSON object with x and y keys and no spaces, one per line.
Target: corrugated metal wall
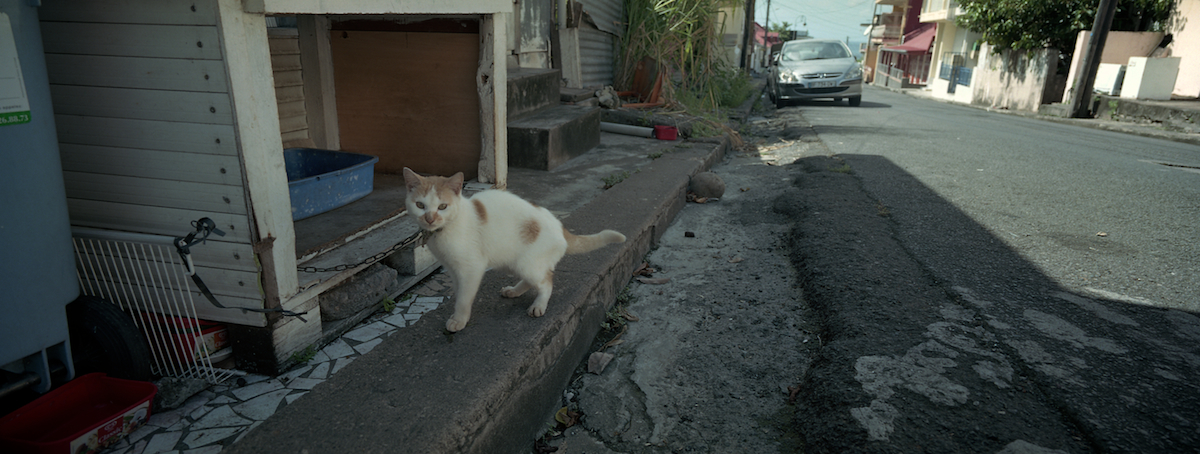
{"x":598,"y":47}
{"x":598,"y":57}
{"x":609,"y":15}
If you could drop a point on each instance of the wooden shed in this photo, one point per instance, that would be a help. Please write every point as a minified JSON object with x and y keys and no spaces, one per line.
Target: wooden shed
{"x":173,"y":110}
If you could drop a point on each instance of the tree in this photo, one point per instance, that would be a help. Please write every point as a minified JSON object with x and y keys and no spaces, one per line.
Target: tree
{"x":1035,"y":24}
{"x":780,"y":27}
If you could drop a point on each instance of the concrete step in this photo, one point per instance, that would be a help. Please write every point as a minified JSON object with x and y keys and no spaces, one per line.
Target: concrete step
{"x":547,"y":138}
{"x":531,"y":89}
{"x":567,"y":94}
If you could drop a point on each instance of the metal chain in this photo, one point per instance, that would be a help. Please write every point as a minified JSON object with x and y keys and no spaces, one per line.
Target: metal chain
{"x":419,"y":236}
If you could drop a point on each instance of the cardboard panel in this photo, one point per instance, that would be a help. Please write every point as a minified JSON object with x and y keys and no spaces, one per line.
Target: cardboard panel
{"x":409,"y":98}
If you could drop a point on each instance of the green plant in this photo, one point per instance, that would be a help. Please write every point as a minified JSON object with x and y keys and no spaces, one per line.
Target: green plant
{"x":1033,"y":25}
{"x":388,"y":304}
{"x":303,"y":356}
{"x":615,"y":178}
{"x":844,"y":168}
{"x":684,"y":38}
{"x":655,"y":155}
{"x":618,"y":315}
{"x":733,"y":87}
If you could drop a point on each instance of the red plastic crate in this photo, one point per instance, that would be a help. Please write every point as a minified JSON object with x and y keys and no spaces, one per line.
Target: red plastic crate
{"x":83,"y":416}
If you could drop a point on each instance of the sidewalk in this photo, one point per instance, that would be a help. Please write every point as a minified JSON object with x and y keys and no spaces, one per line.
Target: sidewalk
{"x":1174,"y":120}
{"x":491,"y":387}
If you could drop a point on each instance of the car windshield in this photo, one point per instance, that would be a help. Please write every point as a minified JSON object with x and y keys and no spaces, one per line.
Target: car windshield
{"x":814,"y":51}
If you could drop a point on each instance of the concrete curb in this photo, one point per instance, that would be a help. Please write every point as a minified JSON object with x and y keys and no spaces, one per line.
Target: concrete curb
{"x":491,"y":387}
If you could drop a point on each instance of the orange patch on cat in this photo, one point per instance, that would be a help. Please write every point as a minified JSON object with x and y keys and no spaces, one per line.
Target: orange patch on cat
{"x":480,"y":211}
{"x":444,"y":191}
{"x":530,"y":231}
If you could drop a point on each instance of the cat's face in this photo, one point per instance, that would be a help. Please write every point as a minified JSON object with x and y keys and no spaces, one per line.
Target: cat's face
{"x":432,"y":201}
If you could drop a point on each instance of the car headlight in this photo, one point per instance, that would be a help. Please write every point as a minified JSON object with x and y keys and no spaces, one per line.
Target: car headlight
{"x":788,"y":77}
{"x":855,"y":72}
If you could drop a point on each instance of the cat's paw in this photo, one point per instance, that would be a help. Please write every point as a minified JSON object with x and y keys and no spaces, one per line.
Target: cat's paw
{"x":511,"y":292}
{"x":453,"y":324}
{"x":537,"y":310}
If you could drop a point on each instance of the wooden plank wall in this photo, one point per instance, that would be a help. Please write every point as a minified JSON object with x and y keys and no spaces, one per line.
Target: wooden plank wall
{"x":146,"y":131}
{"x":289,"y":86}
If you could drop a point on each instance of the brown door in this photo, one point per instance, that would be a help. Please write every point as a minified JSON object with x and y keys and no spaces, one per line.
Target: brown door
{"x":409,"y":98}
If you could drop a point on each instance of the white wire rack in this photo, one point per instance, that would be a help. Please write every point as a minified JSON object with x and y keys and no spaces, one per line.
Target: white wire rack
{"x":145,"y":276}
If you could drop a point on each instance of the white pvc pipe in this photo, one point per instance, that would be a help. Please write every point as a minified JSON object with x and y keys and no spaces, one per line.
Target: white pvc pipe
{"x":626,"y":129}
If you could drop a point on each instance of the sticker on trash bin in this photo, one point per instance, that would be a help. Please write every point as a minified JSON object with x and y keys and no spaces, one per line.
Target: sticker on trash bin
{"x":14,"y":101}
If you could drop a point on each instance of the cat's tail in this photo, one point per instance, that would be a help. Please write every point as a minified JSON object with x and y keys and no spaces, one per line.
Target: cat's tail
{"x":578,"y":244}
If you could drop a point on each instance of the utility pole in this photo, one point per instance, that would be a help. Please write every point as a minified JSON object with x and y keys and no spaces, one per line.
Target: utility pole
{"x":767,"y":26}
{"x":1085,"y":81}
{"x":748,"y":29}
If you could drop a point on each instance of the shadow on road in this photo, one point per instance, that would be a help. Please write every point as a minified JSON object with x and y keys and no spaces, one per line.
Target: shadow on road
{"x":940,"y":338}
{"x":866,"y":104}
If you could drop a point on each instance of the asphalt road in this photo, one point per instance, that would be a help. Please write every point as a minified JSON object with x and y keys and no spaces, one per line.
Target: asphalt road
{"x":1098,"y":212}
{"x":959,"y":281}
{"x":994,"y":283}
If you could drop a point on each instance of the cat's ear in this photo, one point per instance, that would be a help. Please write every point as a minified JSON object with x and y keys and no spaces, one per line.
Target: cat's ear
{"x":456,"y":183}
{"x":411,"y":179}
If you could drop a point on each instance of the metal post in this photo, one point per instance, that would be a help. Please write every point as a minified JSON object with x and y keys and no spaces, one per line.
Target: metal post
{"x":1081,"y":94}
{"x":747,"y":32}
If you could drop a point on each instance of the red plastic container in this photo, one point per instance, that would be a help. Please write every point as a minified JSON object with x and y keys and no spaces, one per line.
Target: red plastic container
{"x":663,"y":132}
{"x":179,"y":340}
{"x":85,"y":415}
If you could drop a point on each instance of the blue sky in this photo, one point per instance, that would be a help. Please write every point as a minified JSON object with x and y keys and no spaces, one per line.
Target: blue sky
{"x":835,"y":19}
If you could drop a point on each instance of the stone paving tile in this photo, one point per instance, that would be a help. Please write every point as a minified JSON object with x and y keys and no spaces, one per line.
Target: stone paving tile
{"x":249,"y":392}
{"x":338,"y":349}
{"x":200,"y":438}
{"x":224,"y":413}
{"x":320,"y":372}
{"x":341,"y":362}
{"x":261,"y":407}
{"x":222,"y":416}
{"x":163,"y":442}
{"x":365,"y":347}
{"x":396,"y":320}
{"x":304,"y":383}
{"x":369,"y":332}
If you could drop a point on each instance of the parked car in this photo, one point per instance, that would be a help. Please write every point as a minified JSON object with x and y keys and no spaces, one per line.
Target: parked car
{"x":815,"y":68}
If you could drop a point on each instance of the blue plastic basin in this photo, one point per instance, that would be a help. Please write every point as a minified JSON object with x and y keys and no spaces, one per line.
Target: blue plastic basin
{"x":321,"y":180}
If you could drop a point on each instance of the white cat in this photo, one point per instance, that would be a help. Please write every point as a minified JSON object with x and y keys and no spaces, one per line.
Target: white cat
{"x":492,"y":229}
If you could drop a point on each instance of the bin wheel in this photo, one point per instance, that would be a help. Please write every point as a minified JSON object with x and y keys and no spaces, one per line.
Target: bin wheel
{"x":105,"y":339}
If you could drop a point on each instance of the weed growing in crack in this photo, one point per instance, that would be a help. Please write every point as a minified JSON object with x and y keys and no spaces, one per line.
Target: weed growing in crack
{"x":615,"y":178}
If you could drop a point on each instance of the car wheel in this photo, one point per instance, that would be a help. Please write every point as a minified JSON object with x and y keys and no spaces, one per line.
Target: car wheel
{"x":780,"y":103}
{"x":855,"y":101}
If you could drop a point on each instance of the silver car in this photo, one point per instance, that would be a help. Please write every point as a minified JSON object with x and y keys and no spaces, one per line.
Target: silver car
{"x":815,"y":68}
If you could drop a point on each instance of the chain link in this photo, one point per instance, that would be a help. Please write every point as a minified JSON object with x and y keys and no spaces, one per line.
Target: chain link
{"x":420,"y":236}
